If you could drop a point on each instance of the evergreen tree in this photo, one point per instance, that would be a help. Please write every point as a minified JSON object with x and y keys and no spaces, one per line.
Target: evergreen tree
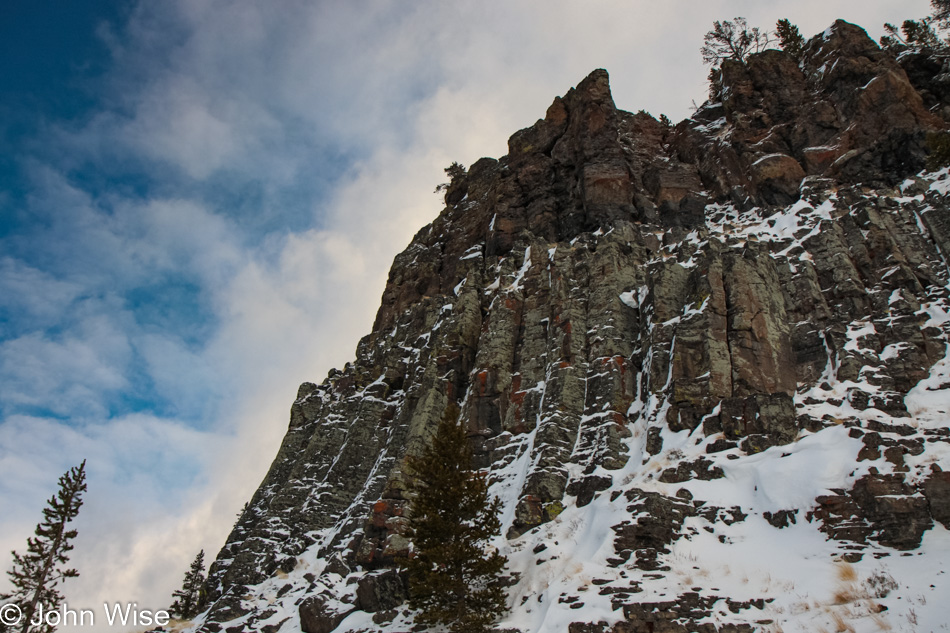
{"x":455,"y":171}
{"x":37,"y":573}
{"x":926,"y":34}
{"x":914,"y":35}
{"x":789,"y":39}
{"x":733,"y":39}
{"x":454,"y":580}
{"x":941,"y":11}
{"x":189,"y":599}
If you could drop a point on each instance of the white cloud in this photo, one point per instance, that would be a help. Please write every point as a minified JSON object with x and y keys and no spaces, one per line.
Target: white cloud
{"x":34,"y":293}
{"x":185,"y":131}
{"x":183,"y":236}
{"x":69,"y":375}
{"x":182,"y":377}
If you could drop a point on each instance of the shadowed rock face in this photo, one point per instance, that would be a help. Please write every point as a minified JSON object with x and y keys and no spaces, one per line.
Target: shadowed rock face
{"x":609,"y":281}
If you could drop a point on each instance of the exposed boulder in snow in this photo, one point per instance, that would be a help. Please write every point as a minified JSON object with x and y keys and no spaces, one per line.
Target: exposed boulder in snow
{"x":937,"y":491}
{"x":319,"y":614}
{"x":381,"y":591}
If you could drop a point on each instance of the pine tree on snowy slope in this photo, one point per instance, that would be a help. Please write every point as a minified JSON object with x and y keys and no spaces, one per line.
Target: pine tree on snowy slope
{"x":453,"y":579}
{"x":188,"y":599}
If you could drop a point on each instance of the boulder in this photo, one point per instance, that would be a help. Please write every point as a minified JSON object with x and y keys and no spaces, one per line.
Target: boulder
{"x":777,"y":178}
{"x":585,"y":489}
{"x":322,"y":614}
{"x":381,"y":590}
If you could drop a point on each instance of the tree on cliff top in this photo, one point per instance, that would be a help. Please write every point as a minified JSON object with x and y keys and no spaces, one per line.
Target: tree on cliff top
{"x":790,"y":39}
{"x":925,"y":34}
{"x":36,"y":574}
{"x":733,"y":39}
{"x":455,"y":171}
{"x":941,"y":10}
{"x":454,"y":578}
{"x":912,"y":35}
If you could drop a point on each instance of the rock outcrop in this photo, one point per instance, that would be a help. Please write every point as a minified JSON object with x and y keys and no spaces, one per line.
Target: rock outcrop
{"x":631,"y":317}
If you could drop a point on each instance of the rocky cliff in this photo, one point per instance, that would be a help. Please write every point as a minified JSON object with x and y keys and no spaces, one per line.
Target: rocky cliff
{"x":705,"y":366}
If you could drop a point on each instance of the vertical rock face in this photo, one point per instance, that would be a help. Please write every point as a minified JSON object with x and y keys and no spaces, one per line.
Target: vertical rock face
{"x":631,"y":317}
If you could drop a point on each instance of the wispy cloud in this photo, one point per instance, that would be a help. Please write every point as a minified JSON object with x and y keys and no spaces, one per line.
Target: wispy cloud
{"x":33,"y":294}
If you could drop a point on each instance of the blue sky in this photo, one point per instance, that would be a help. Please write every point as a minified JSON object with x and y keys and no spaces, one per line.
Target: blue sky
{"x":199,"y":203}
